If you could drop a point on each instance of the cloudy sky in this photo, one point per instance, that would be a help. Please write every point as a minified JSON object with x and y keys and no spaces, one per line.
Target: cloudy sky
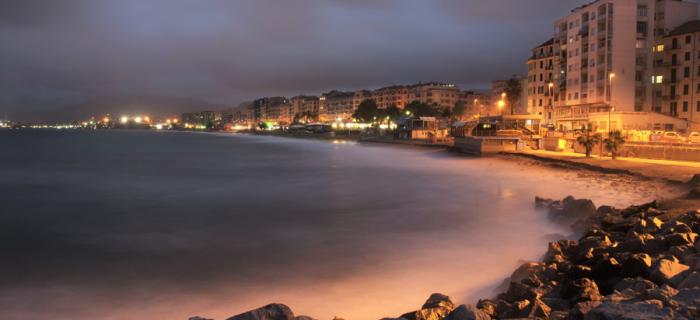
{"x":73,"y":58}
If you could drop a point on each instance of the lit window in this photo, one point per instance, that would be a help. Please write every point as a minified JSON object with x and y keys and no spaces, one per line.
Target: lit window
{"x":659,"y":48}
{"x":657,"y":79}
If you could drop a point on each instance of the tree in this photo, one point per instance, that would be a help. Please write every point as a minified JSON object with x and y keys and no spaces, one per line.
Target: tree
{"x":588,"y":140}
{"x":366,"y":111}
{"x":514,"y":91}
{"x":458,"y":111}
{"x":420,"y":109}
{"x":393,"y":112}
{"x":613,"y":143}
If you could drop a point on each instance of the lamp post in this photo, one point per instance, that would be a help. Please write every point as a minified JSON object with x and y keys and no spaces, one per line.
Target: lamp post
{"x":611,"y":76}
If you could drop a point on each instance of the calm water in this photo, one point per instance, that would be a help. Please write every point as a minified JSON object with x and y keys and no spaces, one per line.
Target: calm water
{"x":134,"y":225}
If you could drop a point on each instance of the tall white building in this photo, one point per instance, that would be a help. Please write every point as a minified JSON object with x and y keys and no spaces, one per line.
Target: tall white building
{"x":607,"y":57}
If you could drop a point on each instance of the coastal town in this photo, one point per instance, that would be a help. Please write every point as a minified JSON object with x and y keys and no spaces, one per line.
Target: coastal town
{"x":349,"y":199}
{"x":629,"y":69}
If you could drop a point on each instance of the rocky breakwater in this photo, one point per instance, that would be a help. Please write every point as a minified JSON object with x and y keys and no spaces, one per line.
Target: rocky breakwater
{"x":633,"y":263}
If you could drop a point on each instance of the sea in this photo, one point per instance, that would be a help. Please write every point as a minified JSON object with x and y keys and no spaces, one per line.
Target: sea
{"x":168,"y":225}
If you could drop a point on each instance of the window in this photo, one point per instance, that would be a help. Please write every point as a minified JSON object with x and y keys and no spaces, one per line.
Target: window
{"x":659,"y":48}
{"x":674,"y":109}
{"x":697,"y":107}
{"x":686,"y":72}
{"x":642,"y":28}
{"x":674,"y":43}
{"x":685,"y":106}
{"x":687,"y":56}
{"x":688,"y":39}
{"x":657,"y":79}
{"x":686,"y":90}
{"x":642,"y":11}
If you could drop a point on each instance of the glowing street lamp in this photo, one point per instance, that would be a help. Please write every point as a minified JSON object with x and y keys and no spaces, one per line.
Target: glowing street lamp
{"x":124,"y":119}
{"x":138,"y":119}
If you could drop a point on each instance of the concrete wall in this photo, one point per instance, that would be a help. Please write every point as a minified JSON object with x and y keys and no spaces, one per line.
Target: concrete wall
{"x":662,"y":151}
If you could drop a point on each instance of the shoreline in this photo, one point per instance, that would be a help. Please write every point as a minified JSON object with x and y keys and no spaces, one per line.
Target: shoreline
{"x":652,"y":269}
{"x":639,"y":262}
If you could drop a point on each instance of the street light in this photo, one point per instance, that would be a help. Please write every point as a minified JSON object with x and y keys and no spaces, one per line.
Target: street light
{"x":611,"y":76}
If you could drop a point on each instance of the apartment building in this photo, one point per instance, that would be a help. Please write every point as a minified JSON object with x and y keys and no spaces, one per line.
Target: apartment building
{"x":305,"y":105}
{"x":440,"y":95}
{"x":336,"y":105}
{"x":391,"y":96}
{"x":542,"y":75}
{"x":606,"y":57}
{"x":679,"y":72}
{"x":272,"y":109}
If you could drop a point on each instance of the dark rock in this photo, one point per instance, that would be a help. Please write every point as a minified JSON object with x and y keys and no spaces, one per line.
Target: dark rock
{"x":542,"y":203}
{"x":681,"y":239}
{"x":467,"y":312}
{"x":582,"y":290}
{"x":516,"y":291}
{"x":436,"y":307}
{"x":636,"y":265}
{"x":556,"y":304}
{"x":537,"y":310}
{"x":636,"y":210}
{"x":304,"y":318}
{"x":572,"y":209}
{"x":629,"y":311}
{"x":688,"y":297}
{"x":581,"y":309}
{"x":487,"y":306}
{"x":199,"y":318}
{"x":527,"y":270}
{"x":273,"y":311}
{"x":691,"y":281}
{"x":664,"y":270}
{"x":637,"y":284}
{"x":664,"y":293}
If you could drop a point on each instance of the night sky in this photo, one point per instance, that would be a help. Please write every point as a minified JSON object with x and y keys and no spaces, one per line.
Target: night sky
{"x":76,"y":58}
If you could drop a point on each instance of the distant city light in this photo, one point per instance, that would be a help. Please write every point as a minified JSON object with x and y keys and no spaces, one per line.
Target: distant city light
{"x":124,"y":119}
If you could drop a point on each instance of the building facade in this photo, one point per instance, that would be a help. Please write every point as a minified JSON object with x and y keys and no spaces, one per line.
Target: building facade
{"x":439,"y":95}
{"x":337,"y":105}
{"x":607,"y":55}
{"x":679,"y":75}
{"x":386,"y":97}
{"x":542,"y":76}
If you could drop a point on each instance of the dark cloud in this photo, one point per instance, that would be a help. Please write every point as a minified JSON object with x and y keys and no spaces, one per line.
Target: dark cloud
{"x":58,"y":55}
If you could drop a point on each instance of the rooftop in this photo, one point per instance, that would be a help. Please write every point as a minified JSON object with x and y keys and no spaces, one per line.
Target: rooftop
{"x":688,"y":27}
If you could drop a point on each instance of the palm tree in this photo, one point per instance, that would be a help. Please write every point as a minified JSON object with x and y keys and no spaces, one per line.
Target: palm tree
{"x":588,"y":140}
{"x":514,"y":90}
{"x":613,"y":143}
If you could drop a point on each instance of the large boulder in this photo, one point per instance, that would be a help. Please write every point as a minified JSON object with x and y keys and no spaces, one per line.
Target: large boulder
{"x":629,"y":311}
{"x":581,"y":309}
{"x":637,"y":284}
{"x":436,"y":307}
{"x":680,"y":239}
{"x":688,"y":298}
{"x":636,"y":265}
{"x":467,"y":312}
{"x":691,"y":281}
{"x":274,"y":311}
{"x":527,"y":270}
{"x":582,"y":290}
{"x":665,"y":270}
{"x":571,"y":209}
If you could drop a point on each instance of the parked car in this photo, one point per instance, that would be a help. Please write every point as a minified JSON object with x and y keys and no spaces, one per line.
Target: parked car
{"x":671,"y":137}
{"x":694,"y":137}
